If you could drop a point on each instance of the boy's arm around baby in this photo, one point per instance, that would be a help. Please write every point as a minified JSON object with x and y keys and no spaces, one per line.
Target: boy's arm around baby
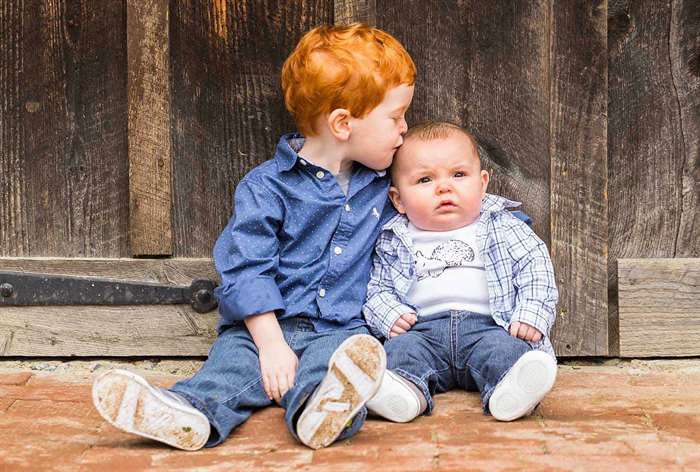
{"x":533,"y":278}
{"x":383,"y":306}
{"x":247,"y":257}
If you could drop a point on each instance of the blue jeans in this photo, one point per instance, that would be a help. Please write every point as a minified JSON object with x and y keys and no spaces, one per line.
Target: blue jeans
{"x":229,"y":387}
{"x":454,"y":349}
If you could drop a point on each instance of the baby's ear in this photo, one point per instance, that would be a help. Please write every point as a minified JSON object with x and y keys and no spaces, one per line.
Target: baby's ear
{"x":395,"y":198}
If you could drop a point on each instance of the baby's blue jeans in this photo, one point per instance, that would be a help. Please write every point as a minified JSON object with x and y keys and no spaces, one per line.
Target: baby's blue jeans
{"x":229,"y":388}
{"x":454,"y":349}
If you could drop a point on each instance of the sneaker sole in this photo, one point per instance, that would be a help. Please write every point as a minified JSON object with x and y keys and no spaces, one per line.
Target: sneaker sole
{"x":399,"y":407}
{"x":357,"y":365}
{"x":128,"y":402}
{"x":529,"y":380}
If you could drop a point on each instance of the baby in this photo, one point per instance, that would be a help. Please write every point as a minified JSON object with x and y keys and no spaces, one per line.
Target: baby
{"x":462,"y":290}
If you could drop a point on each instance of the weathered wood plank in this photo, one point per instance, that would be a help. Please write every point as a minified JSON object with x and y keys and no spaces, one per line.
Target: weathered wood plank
{"x":652,"y":133}
{"x":485,"y":65}
{"x":227,"y":106}
{"x":63,"y":129}
{"x":578,"y":152}
{"x":148,"y":51}
{"x":139,"y":330}
{"x":14,"y":224}
{"x":351,"y":11}
{"x":684,"y":43}
{"x":659,"y":308}
{"x":173,"y":271}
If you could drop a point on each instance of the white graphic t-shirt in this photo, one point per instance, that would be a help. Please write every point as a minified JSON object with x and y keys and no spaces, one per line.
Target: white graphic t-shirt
{"x":450,"y":273}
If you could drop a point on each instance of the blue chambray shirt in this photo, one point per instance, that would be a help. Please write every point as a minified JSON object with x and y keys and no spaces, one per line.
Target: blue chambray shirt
{"x":519,"y":272}
{"x":297,"y":245}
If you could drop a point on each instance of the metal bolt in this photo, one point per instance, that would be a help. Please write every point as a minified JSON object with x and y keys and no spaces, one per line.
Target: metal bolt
{"x":6,"y":290}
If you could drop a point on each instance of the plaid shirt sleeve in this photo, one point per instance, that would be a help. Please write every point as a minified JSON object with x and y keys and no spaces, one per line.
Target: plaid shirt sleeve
{"x":383,"y":306}
{"x":533,"y":276}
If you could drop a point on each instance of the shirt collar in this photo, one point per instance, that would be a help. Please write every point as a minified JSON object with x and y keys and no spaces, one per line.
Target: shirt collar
{"x":490,"y":203}
{"x":288,"y":147}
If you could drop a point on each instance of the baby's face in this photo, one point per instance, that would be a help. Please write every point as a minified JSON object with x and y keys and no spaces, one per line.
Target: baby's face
{"x":439,"y":183}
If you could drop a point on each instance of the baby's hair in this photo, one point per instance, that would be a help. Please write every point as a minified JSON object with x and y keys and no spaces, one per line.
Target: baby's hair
{"x":348,"y":67}
{"x":430,"y":130}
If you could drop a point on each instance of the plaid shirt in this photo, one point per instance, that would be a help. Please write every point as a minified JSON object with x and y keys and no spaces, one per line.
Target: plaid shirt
{"x":518,"y":270}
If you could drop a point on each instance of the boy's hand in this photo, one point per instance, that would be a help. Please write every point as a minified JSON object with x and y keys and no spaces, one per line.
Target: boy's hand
{"x":403,"y":324}
{"x":278,"y":365}
{"x":525,"y":331}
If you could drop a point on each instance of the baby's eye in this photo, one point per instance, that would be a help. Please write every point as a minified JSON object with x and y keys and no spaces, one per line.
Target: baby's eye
{"x":459,"y":174}
{"x":424,"y":180}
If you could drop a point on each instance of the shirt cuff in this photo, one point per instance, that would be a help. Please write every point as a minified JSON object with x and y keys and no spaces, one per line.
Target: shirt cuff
{"x":249,"y":297}
{"x":537,"y":317}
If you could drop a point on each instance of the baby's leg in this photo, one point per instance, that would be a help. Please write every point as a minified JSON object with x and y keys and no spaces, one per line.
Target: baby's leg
{"x":417,"y":367}
{"x":510,"y":375}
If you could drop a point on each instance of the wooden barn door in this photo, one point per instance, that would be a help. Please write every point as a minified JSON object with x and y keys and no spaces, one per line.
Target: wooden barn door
{"x":125,"y":127}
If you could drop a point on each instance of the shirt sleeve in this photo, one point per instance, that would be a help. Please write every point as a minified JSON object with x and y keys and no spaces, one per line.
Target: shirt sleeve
{"x":383,"y":307}
{"x":247,"y":254}
{"x":533,"y":276}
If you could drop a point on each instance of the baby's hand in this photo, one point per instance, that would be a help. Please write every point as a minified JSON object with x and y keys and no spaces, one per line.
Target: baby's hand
{"x":525,"y":331}
{"x":403,"y":324}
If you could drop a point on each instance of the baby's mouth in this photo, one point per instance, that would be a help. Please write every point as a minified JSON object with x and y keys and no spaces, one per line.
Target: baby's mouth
{"x":446,"y":205}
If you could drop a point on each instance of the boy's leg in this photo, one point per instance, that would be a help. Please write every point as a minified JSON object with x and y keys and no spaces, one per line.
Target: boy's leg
{"x":224,"y":392}
{"x":511,"y":377}
{"x":228,"y":387}
{"x":338,"y":372}
{"x":417,"y":367}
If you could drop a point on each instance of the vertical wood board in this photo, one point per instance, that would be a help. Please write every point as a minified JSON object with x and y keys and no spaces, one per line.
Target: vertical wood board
{"x":578,"y":152}
{"x":64,"y":182}
{"x":148,"y":51}
{"x":228,"y":109}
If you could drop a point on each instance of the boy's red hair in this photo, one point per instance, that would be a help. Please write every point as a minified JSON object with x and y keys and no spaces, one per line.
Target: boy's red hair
{"x":348,"y":67}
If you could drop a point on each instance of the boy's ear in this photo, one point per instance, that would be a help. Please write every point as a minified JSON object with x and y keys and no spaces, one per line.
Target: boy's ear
{"x":395,"y":198}
{"x":339,"y":123}
{"x":484,"y":182}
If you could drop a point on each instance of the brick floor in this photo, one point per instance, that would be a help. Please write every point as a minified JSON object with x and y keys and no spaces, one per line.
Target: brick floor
{"x":629,"y":416}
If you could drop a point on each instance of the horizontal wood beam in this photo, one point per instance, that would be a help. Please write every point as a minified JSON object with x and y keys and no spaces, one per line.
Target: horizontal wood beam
{"x":659,"y":306}
{"x":139,"y":330}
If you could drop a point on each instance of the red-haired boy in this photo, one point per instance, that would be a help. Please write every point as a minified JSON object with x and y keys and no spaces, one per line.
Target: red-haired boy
{"x":295,"y":261}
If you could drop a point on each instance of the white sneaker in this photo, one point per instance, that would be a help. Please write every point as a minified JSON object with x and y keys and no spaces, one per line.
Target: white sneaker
{"x":130,"y":403}
{"x":397,"y":400}
{"x":524,"y":386}
{"x":354,"y":373}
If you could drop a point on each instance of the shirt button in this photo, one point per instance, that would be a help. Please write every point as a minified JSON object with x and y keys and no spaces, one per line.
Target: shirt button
{"x":322,"y":293}
{"x":320,"y":174}
{"x":338,"y":250}
{"x":347,"y":207}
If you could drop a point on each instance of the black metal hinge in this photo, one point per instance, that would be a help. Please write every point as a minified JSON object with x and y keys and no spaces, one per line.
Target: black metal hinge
{"x":27,"y":289}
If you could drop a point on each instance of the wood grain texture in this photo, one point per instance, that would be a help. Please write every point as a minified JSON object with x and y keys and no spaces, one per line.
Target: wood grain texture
{"x":109,"y":330}
{"x":227,"y":105}
{"x":684,"y":45}
{"x":653,"y":125}
{"x":148,"y":51}
{"x":659,"y":309}
{"x":485,"y":65}
{"x":579,"y":211}
{"x":64,"y":182}
{"x":351,"y":11}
